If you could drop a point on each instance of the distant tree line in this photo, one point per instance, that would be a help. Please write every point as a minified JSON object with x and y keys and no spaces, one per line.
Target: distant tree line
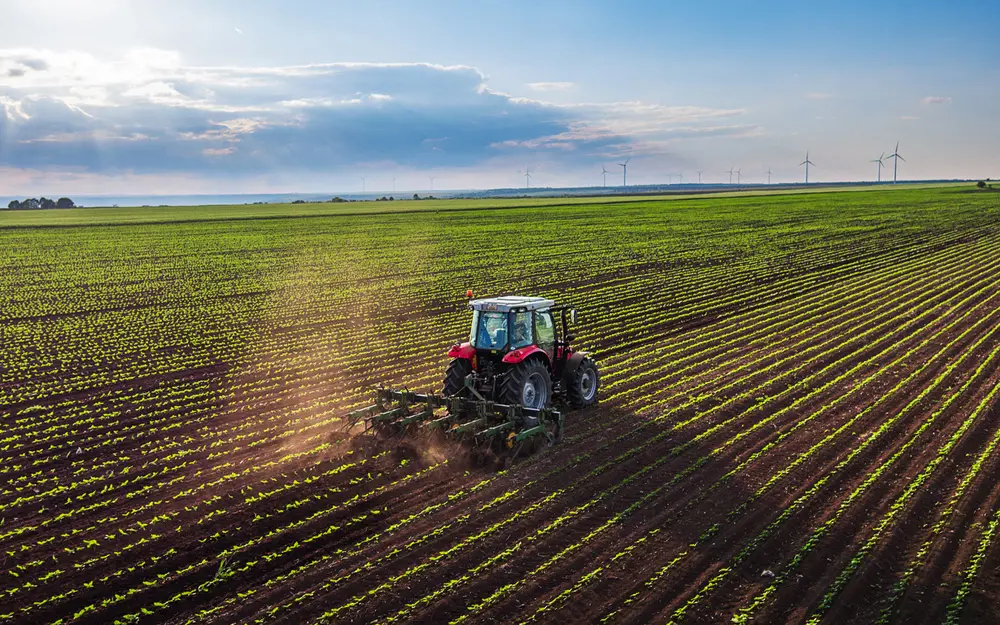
{"x":338,"y":200}
{"x":42,"y":202}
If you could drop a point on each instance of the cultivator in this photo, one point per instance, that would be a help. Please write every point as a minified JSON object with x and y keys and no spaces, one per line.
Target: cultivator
{"x":471,"y":418}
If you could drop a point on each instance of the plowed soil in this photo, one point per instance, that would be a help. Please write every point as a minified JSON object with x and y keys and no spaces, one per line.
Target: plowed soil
{"x":798,"y":419}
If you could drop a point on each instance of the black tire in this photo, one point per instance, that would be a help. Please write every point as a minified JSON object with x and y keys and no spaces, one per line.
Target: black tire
{"x":454,"y":378}
{"x":582,"y":390}
{"x":528,"y":384}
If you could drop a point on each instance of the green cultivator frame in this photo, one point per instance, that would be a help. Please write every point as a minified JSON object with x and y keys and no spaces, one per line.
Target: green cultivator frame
{"x":484,"y":422}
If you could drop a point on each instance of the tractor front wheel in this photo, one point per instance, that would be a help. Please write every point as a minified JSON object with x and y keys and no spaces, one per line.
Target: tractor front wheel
{"x":583,"y":385}
{"x":528,"y":384}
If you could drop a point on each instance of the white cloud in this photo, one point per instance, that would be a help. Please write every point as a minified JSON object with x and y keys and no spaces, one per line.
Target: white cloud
{"x":97,"y":135}
{"x":307,"y":118}
{"x":655,"y":142}
{"x":230,"y":130}
{"x":305,"y":103}
{"x":551,"y":86}
{"x":88,"y":96}
{"x":157,"y":93}
{"x":936,"y":99}
{"x":147,"y":59}
{"x":637,"y":120}
{"x":12,"y":109}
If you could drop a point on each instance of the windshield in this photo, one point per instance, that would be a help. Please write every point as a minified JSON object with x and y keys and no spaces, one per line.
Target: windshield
{"x":490,"y":330}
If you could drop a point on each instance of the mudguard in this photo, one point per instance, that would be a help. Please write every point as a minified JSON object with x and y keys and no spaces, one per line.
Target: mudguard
{"x":523,"y":353}
{"x":572,"y":365}
{"x":463,"y":350}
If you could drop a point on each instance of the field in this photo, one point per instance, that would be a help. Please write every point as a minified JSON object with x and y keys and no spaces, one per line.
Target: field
{"x":799,"y":417}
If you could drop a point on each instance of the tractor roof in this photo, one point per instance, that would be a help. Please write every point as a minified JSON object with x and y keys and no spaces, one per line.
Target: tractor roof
{"x":508,"y":303}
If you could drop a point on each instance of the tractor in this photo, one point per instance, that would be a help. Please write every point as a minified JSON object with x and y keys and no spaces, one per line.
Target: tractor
{"x":506,"y":386}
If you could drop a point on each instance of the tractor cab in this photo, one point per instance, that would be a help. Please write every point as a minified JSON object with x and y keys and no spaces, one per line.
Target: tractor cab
{"x":517,"y":353}
{"x":504,"y":324}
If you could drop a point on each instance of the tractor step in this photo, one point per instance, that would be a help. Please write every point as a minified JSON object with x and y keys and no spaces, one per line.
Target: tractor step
{"x":399,"y":410}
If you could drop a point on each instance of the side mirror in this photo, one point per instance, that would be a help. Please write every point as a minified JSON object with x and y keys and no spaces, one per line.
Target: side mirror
{"x":572,"y":316}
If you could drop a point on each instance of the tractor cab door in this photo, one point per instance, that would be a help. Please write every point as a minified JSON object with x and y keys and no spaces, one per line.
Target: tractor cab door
{"x":545,"y":333}
{"x":520,"y":330}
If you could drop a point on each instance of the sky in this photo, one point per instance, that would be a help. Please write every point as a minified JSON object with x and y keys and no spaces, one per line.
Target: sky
{"x":227,"y":96}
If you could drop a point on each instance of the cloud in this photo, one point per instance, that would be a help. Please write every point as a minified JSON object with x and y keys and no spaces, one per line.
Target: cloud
{"x":659,"y":142}
{"x":147,"y":113}
{"x":818,"y":96}
{"x":101,"y":135}
{"x":936,"y":99}
{"x":550,"y":86}
{"x":218,"y":151}
{"x":238,"y":31}
{"x":13,"y":110}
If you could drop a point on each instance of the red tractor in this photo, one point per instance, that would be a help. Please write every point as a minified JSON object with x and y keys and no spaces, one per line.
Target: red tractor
{"x":503,"y":383}
{"x":515,"y":355}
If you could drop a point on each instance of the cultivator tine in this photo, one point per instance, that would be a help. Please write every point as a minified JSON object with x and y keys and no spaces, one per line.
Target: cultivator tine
{"x":468,"y":426}
{"x":530,"y":432}
{"x":361,"y":414}
{"x":441,"y":423}
{"x":388,"y":416}
{"x":496,"y":430}
{"x":416,"y":417}
{"x":511,"y":455}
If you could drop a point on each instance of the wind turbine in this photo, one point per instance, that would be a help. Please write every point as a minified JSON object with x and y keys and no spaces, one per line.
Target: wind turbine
{"x":624,"y":167}
{"x":807,"y":163}
{"x":699,"y":176}
{"x":880,"y":166}
{"x":680,"y":178}
{"x":768,"y":175}
{"x":738,"y":172}
{"x":527,"y":177}
{"x":730,"y":172}
{"x":895,"y":161}
{"x":432,"y":183}
{"x":670,"y":179}
{"x":604,"y":174}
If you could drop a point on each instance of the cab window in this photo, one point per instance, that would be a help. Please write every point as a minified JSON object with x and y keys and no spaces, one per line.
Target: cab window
{"x":520,"y":330}
{"x":491,"y":330}
{"x":545,"y":330}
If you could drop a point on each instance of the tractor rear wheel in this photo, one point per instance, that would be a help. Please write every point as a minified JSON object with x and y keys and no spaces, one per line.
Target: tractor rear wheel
{"x":454,"y":378}
{"x":583,"y":386}
{"x":528,"y":384}
{"x":454,"y":381}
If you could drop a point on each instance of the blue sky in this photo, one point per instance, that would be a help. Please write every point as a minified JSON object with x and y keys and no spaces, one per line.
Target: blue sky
{"x":127,"y":96}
